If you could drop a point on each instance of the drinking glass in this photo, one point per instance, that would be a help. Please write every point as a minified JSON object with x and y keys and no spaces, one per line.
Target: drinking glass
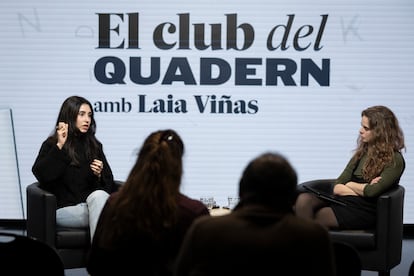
{"x":208,"y":201}
{"x":233,"y":201}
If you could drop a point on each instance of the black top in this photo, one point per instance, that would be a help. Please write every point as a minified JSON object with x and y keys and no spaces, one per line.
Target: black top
{"x":70,"y":184}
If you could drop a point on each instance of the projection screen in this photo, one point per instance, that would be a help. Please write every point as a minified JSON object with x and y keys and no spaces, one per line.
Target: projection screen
{"x":234,"y":78}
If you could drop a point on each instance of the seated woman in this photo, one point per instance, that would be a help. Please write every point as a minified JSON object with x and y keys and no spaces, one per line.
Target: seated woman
{"x":375,"y":167}
{"x":72,"y":165}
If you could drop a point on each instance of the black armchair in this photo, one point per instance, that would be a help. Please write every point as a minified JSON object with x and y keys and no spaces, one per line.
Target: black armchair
{"x":379,"y":248}
{"x":72,"y":244}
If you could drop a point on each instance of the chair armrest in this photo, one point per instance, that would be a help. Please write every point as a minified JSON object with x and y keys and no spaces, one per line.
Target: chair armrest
{"x":389,"y":229}
{"x":41,"y":214}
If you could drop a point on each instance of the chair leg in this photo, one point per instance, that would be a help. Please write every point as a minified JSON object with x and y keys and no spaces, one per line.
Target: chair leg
{"x":384,"y":273}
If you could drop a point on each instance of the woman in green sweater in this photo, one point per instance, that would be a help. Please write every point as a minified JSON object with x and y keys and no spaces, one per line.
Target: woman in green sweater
{"x":375,"y":167}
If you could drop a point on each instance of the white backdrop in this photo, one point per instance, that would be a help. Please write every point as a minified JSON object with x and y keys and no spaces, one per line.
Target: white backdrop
{"x":361,"y":55}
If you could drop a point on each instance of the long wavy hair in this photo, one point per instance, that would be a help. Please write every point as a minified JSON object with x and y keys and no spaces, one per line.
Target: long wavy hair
{"x":69,"y":113}
{"x":387,"y":138}
{"x":147,"y":202}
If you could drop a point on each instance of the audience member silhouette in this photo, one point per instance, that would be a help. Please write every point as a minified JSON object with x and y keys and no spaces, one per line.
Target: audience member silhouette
{"x":262,"y":235}
{"x":143,"y":224}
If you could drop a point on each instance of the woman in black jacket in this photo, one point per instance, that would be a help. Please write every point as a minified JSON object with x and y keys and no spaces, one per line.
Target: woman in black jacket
{"x":71,"y":164}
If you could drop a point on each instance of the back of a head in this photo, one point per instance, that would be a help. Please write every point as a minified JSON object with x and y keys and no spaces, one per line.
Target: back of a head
{"x":158,"y":167}
{"x":269,"y":179}
{"x":147,"y":200}
{"x":164,"y":148}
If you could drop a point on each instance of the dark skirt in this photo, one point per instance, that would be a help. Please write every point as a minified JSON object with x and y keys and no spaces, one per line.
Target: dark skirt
{"x":360,"y":212}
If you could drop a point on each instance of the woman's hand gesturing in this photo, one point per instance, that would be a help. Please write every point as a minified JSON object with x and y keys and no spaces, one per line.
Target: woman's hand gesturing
{"x":62,"y":134}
